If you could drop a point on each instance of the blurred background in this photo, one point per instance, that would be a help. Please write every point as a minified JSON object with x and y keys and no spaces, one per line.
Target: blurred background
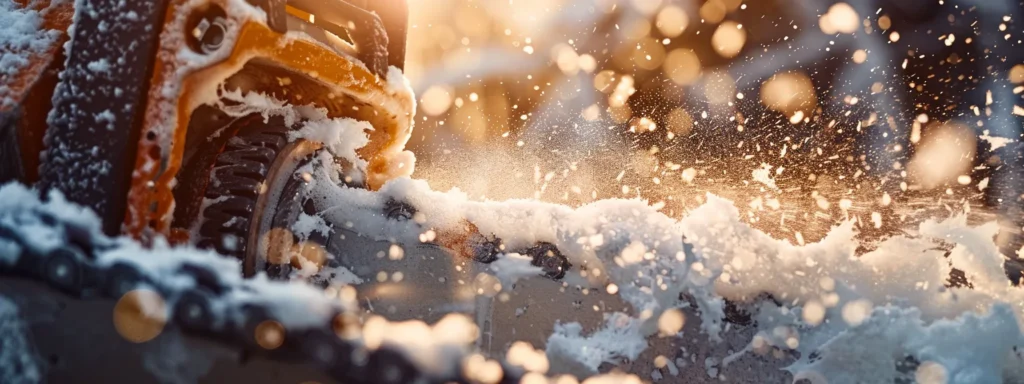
{"x":803,"y":112}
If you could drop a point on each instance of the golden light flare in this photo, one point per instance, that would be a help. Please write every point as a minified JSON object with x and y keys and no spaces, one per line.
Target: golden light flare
{"x":623,"y":90}
{"x":930,"y":372}
{"x":649,"y":54}
{"x":478,"y":368}
{"x":643,"y":124}
{"x":636,"y":29}
{"x":522,"y":354}
{"x":471,"y":21}
{"x":474,"y":124}
{"x":436,"y":100}
{"x":282,"y":249}
{"x":1017,"y":74}
{"x":713,"y":11}
{"x":647,"y":7}
{"x":679,"y":122}
{"x":682,"y":66}
{"x":269,"y":335}
{"x":728,"y":39}
{"x":672,"y":21}
{"x":730,"y":5}
{"x":860,"y":56}
{"x":788,"y":93}
{"x":140,"y":315}
{"x":840,"y":18}
{"x":309,"y":255}
{"x":884,"y":22}
{"x":671,"y":322}
{"x":346,"y":325}
{"x":719,"y":87}
{"x":566,"y":59}
{"x":620,"y":114}
{"x":942,"y":156}
{"x":604,"y":80}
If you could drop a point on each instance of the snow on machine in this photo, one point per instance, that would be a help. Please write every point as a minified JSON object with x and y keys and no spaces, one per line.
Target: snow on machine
{"x":216,"y":191}
{"x":206,"y":122}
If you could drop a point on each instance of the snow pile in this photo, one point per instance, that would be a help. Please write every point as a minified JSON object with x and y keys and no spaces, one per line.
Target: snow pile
{"x":825,"y":288}
{"x":22,"y":36}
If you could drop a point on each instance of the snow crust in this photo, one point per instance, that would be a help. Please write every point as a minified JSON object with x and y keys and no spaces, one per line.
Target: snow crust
{"x":22,"y":36}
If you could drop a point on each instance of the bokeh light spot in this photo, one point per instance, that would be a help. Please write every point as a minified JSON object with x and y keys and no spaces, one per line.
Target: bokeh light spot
{"x":140,"y":315}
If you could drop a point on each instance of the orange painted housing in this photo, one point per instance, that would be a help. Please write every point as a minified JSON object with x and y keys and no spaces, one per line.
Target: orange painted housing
{"x":32,"y":86}
{"x":181,"y":82}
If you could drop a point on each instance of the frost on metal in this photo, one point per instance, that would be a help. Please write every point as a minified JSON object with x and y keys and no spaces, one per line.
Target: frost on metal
{"x":18,"y":363}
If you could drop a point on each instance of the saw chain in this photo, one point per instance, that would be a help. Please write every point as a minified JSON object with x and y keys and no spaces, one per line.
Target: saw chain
{"x":49,"y":255}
